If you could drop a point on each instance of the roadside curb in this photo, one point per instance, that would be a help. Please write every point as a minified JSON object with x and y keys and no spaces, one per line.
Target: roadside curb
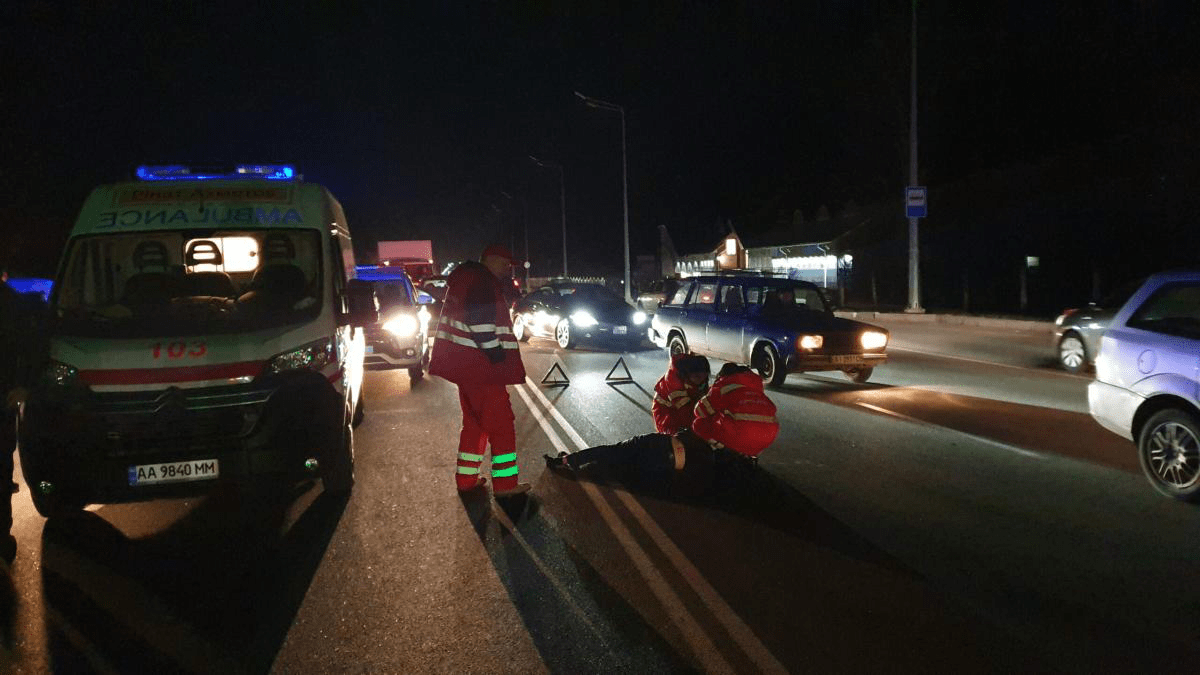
{"x":955,"y":320}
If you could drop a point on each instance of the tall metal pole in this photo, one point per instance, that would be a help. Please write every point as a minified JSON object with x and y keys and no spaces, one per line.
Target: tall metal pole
{"x":562,"y":193}
{"x":605,"y":105}
{"x":914,"y":248}
{"x":625,"y":204}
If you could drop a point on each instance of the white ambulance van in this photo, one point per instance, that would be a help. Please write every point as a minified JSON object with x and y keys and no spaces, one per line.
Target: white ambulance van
{"x":205,"y":327}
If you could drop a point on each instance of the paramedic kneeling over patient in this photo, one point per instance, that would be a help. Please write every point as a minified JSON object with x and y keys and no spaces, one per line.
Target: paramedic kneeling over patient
{"x":735,"y":419}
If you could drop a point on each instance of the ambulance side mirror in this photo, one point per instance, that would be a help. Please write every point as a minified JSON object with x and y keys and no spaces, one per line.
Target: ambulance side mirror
{"x":362,"y":308}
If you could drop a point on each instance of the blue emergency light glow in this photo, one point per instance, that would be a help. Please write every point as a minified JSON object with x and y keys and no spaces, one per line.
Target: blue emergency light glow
{"x":237,"y":172}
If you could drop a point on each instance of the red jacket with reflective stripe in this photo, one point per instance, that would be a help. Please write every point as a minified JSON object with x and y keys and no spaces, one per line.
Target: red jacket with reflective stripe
{"x":674,"y":400}
{"x":474,"y":323}
{"x":737,"y":414}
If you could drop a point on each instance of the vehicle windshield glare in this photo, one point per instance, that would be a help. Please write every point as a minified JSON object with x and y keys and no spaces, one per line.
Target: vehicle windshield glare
{"x":151,"y":284}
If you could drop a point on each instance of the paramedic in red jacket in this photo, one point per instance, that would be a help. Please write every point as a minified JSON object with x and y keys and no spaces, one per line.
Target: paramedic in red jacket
{"x":676,"y":393}
{"x":474,"y":348}
{"x":736,"y":413}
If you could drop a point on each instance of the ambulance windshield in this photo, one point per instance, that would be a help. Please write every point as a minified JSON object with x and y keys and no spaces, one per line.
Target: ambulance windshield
{"x":195,"y":282}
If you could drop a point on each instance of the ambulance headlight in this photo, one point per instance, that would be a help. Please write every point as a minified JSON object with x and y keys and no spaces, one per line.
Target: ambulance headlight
{"x":405,"y":325}
{"x":312,"y":356}
{"x":583,"y":319}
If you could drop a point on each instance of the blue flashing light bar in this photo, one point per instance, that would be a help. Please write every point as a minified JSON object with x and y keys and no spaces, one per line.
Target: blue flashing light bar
{"x":237,"y":172}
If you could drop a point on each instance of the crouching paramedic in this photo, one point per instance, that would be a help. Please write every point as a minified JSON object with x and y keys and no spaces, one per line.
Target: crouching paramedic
{"x":676,"y":393}
{"x":736,"y":414}
{"x":474,"y":348}
{"x":744,"y":424}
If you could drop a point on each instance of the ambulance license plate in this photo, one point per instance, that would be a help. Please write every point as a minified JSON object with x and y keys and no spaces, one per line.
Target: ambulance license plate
{"x":620,"y":330}
{"x":174,"y":472}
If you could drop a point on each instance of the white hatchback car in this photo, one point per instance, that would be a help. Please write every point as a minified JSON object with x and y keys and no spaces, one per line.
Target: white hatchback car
{"x":1147,"y":385}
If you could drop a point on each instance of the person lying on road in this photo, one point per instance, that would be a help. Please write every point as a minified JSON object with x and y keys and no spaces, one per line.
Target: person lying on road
{"x":734,"y":422}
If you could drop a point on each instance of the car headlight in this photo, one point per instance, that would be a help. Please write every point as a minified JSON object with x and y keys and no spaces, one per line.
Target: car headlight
{"x":873,"y":339}
{"x":639,"y":318}
{"x":583,"y":319}
{"x":312,"y":356}
{"x":59,"y":374}
{"x":810,"y":341}
{"x":405,"y":325}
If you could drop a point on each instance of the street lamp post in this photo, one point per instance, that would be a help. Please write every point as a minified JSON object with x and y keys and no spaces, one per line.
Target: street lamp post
{"x":914,"y":247}
{"x":562,"y":196}
{"x":605,"y":105}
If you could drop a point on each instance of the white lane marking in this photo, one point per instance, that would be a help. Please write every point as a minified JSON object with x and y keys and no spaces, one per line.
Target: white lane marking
{"x":737,"y":628}
{"x":981,"y":439}
{"x":562,"y":421}
{"x":701,"y":644}
{"x":988,"y":363}
{"x":172,"y":637}
{"x":80,"y":642}
{"x":559,"y":586}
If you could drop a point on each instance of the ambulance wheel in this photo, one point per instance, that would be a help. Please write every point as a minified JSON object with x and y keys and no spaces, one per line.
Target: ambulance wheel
{"x":859,"y":375}
{"x":338,"y":476}
{"x":55,"y":505}
{"x":563,"y":335}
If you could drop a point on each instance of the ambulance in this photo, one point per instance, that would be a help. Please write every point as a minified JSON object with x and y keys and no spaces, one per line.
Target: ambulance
{"x":206,"y":328}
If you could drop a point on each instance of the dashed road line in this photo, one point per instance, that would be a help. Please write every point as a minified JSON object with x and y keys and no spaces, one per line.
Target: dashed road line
{"x":741,"y":633}
{"x":700,"y":643}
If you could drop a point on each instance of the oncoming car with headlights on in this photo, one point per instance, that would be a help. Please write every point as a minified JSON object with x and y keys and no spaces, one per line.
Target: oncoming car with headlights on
{"x":774,"y":324}
{"x":205,"y":328}
{"x":571,"y":313}
{"x":400,"y":339}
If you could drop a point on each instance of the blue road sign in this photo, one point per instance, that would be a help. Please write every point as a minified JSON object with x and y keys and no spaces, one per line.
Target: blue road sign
{"x":914,"y":202}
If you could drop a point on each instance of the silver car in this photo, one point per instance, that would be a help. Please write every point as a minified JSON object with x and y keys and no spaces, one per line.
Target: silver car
{"x":1147,"y":386}
{"x":1077,"y":331}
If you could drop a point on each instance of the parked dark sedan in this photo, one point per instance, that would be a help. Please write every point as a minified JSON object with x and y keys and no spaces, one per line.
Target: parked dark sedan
{"x":774,"y":324}
{"x":573,"y":312}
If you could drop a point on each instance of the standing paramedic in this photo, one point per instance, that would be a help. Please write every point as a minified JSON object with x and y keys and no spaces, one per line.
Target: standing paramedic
{"x":474,"y":348}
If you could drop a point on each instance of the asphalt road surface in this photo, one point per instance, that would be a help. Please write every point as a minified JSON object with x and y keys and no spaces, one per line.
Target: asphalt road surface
{"x":959,"y":512}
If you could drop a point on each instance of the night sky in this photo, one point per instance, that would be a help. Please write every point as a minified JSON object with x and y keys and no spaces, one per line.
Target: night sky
{"x":421,"y":121}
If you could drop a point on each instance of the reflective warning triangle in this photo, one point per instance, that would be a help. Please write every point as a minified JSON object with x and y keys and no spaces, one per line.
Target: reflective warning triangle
{"x":556,"y":367}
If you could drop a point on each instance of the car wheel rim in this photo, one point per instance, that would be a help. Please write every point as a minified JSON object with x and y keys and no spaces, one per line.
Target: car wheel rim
{"x":676,"y":347}
{"x":766,"y":365}
{"x":1174,"y":455}
{"x":1071,"y":352}
{"x":563,"y":334}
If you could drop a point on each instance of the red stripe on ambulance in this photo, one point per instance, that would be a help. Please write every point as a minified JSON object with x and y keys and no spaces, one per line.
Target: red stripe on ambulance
{"x":226,"y":371}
